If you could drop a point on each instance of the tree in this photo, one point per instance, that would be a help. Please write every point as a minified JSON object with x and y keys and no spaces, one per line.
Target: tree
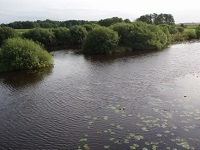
{"x":147,"y":37}
{"x":157,"y":19}
{"x":5,"y":33}
{"x":123,"y":30}
{"x":127,"y":21}
{"x":110,"y":21}
{"x":44,"y":36}
{"x":100,"y":41}
{"x":62,"y":36}
{"x":90,"y":27}
{"x":146,"y":18}
{"x":77,"y":35}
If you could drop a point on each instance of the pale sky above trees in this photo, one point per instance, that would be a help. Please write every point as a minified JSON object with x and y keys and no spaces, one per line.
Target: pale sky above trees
{"x":23,"y":10}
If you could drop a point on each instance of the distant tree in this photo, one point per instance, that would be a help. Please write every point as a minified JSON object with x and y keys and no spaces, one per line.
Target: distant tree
{"x":46,"y":24}
{"x":110,"y":21}
{"x":5,"y":33}
{"x":146,"y":18}
{"x":183,"y":25}
{"x":100,"y":41}
{"x":127,"y":21}
{"x":77,"y":35}
{"x":157,"y":19}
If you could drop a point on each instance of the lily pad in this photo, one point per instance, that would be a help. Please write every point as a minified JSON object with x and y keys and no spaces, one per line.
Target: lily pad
{"x":105,"y":117}
{"x":83,"y":140}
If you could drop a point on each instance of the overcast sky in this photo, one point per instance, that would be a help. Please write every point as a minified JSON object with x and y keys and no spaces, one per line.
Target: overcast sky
{"x":23,"y":10}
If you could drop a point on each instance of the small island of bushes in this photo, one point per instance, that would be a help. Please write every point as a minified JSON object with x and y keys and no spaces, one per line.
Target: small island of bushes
{"x":21,"y":49}
{"x":22,"y":54}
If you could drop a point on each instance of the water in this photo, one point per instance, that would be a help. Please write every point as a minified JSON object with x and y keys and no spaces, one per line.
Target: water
{"x":130,"y":101}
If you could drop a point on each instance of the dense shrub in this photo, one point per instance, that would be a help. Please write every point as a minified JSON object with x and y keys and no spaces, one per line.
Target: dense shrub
{"x":180,"y":29}
{"x":172,"y":28}
{"x":19,"y":54}
{"x":191,"y":34}
{"x":142,"y":36}
{"x":123,"y":30}
{"x":5,"y":33}
{"x":62,"y":36}
{"x":101,"y":40}
{"x":77,"y":35}
{"x":168,"y":35}
{"x":44,"y":36}
{"x":179,"y":37}
{"x":197,"y":30}
{"x":90,"y":27}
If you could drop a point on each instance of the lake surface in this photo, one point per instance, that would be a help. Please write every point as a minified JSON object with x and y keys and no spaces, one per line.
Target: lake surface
{"x":130,"y":101}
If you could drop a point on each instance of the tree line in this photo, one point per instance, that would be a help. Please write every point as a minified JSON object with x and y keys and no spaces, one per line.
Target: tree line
{"x":45,"y":24}
{"x":149,"y":18}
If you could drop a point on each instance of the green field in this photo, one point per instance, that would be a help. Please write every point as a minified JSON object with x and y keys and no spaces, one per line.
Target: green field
{"x":21,"y":31}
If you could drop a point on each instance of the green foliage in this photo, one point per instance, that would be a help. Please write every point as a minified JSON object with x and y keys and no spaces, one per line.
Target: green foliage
{"x":123,"y":30}
{"x":110,"y":21}
{"x":180,"y":29}
{"x":90,"y":27}
{"x":77,"y":35}
{"x":149,"y":37}
{"x":198,"y":32}
{"x":191,"y":34}
{"x":5,"y":33}
{"x":172,"y":28}
{"x":183,"y":25}
{"x":127,"y":21}
{"x":157,"y":19}
{"x":167,"y":33}
{"x":44,"y":36}
{"x":62,"y":36}
{"x":20,"y":54}
{"x":45,"y":24}
{"x":179,"y":37}
{"x":100,"y":41}
{"x":141,"y":36}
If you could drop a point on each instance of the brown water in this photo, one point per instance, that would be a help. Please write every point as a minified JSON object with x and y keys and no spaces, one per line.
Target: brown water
{"x":130,"y":101}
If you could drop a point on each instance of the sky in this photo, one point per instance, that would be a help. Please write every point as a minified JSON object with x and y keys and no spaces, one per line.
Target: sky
{"x":94,"y":10}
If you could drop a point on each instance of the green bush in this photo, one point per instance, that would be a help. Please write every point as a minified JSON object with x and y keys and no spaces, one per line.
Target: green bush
{"x":197,"y":30}
{"x":77,"y":35}
{"x":123,"y":30}
{"x":179,"y":37}
{"x":191,"y":34}
{"x":20,"y":54}
{"x":90,"y":27}
{"x":147,"y":37}
{"x":5,"y":33}
{"x":44,"y":36}
{"x":100,"y":41}
{"x":180,"y":29}
{"x":62,"y":36}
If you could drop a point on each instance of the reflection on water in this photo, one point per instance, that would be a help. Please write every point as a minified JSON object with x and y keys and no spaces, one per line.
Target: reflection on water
{"x":25,"y":78}
{"x":123,"y":101}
